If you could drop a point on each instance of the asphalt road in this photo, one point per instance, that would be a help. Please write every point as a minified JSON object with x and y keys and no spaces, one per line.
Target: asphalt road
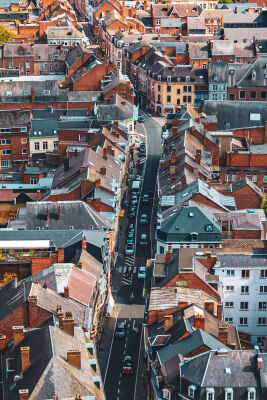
{"x":117,"y":385}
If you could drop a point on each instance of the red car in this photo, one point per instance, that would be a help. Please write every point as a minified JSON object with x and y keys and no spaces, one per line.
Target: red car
{"x":127,"y":365}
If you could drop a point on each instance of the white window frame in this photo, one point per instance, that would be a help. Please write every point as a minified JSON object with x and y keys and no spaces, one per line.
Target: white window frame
{"x":209,"y":391}
{"x":191,"y":391}
{"x":158,"y":22}
{"x":228,"y":391}
{"x":251,"y":390}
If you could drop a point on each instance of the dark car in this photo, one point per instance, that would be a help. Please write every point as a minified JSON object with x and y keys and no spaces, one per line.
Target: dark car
{"x":120,"y":331}
{"x":127,"y":365}
{"x":131,"y":228}
{"x":130,"y":238}
{"x":141,"y":118}
{"x":143,"y":240}
{"x":145,"y":199}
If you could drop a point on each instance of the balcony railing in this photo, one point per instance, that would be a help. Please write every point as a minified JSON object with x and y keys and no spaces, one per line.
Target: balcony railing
{"x":37,"y":99}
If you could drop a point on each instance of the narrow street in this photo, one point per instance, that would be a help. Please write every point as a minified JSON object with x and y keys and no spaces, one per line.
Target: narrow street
{"x":117,"y":385}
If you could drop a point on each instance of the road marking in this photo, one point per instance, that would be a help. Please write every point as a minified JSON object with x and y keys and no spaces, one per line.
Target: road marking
{"x":120,"y":270}
{"x":111,"y":345}
{"x":134,"y":328}
{"x":137,"y":369}
{"x":127,"y":280}
{"x":135,"y":269}
{"x":124,"y":269}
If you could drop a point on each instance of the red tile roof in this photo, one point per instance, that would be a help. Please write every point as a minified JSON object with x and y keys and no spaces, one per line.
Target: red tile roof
{"x":81,"y":285}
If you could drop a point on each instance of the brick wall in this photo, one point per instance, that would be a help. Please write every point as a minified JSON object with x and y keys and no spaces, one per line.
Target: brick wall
{"x":247,"y":234}
{"x":245,"y":197}
{"x":246,"y":160}
{"x":197,"y":351}
{"x":18,"y":317}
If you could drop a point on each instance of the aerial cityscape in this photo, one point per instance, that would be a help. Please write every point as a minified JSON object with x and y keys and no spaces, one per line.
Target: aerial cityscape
{"x":133,"y":210}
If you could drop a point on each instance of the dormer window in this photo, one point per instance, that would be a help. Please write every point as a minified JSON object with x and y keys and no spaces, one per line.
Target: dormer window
{"x":169,"y":78}
{"x":209,"y":394}
{"x":228,"y":394}
{"x":254,"y":75}
{"x":159,"y":78}
{"x":191,"y":391}
{"x":194,"y":236}
{"x":251,"y":393}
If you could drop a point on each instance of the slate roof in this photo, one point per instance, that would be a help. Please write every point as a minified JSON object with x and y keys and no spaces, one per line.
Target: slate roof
{"x":44,"y":128}
{"x":245,"y":182}
{"x":13,"y":296}
{"x":191,"y":343}
{"x":196,"y":24}
{"x":242,"y":260}
{"x":262,"y":46}
{"x":218,"y":71}
{"x":118,"y":110}
{"x":198,"y":51}
{"x":171,"y":22}
{"x":73,"y":55}
{"x":210,"y":367}
{"x":75,"y":214}
{"x":255,"y":76}
{"x":14,"y":118}
{"x":245,"y":34}
{"x":50,"y":372}
{"x":236,"y":113}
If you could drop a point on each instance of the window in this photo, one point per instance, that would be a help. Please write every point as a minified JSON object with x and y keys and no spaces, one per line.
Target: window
{"x":265,"y":179}
{"x":262,"y":321}
{"x":262,"y":305}
{"x":169,"y":89}
{"x":232,"y":96}
{"x":178,"y":91}
{"x":185,"y":89}
{"x":10,"y":64}
{"x":10,"y":364}
{"x":264,"y":95}
{"x":244,"y":305}
{"x":263,"y":289}
{"x":47,"y":92}
{"x":55,"y":57}
{"x":36,"y":146}
{"x":189,"y":99}
{"x":244,"y":289}
{"x":8,"y":93}
{"x":251,"y":394}
{"x":252,"y":95}
{"x":245,"y":273}
{"x":33,"y":180}
{"x":214,"y":87}
{"x":214,"y":96}
{"x":158,"y":98}
{"x":159,"y":88}
{"x":210,"y":394}
{"x":23,"y":129}
{"x":178,"y":102}
{"x":229,"y":319}
{"x":189,"y":88}
{"x":264,"y":273}
{"x":227,"y":177}
{"x":230,"y":288}
{"x":185,"y":99}
{"x":204,"y":66}
{"x":5,"y":141}
{"x":6,"y":164}
{"x":168,"y":99}
{"x":243,"y":321}
{"x":56,"y":145}
{"x":158,"y":22}
{"x":260,"y":339}
{"x":233,"y":177}
{"x":27,"y":92}
{"x":209,"y":228}
{"x":24,"y":151}
{"x":157,"y":30}
{"x":191,"y":391}
{"x":230,"y":272}
{"x":45,"y":145}
{"x":242,"y":94}
{"x":254,"y":178}
{"x":228,"y":394}
{"x":169,"y":78}
{"x":28,"y":65}
{"x":229,"y":304}
{"x":6,"y":152}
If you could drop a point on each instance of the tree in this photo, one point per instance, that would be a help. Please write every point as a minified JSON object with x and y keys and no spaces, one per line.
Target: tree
{"x":5,"y":34}
{"x":262,"y":202}
{"x":225,"y":1}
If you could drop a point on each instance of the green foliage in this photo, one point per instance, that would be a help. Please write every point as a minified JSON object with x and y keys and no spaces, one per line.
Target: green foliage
{"x":262,"y":202}
{"x":5,"y":34}
{"x":225,"y":1}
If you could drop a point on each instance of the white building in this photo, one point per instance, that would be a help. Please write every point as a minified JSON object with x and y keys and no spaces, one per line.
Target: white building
{"x":244,"y":280}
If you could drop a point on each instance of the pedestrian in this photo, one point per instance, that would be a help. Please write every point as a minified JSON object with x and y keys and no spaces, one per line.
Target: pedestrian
{"x":120,"y":256}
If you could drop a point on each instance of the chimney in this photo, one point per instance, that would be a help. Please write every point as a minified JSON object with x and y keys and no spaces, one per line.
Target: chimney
{"x":84,"y":243}
{"x":66,"y":292}
{"x":74,"y":358}
{"x":25,"y":358}
{"x":105,"y":153}
{"x":219,"y":311}
{"x":161,"y":314}
{"x":173,"y":156}
{"x":60,"y":316}
{"x":200,"y":322}
{"x":38,"y":194}
{"x":68,"y":325}
{"x":23,"y":394}
{"x":47,"y":213}
{"x":168,"y":322}
{"x":173,"y":179}
{"x":66,"y":163}
{"x":198,"y":156}
{"x":223,"y":334}
{"x":33,"y":312}
{"x":259,"y":363}
{"x":59,"y":213}
{"x":103,"y":170}
{"x":168,"y":256}
{"x":172,"y":169}
{"x":209,"y":306}
{"x":18,"y":334}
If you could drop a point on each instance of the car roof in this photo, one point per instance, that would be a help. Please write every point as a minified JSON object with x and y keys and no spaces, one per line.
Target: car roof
{"x":142,"y":268}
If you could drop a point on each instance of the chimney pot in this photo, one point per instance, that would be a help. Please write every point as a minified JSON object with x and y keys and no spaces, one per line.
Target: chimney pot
{"x":103,"y":170}
{"x":74,"y":358}
{"x":66,"y":292}
{"x":68,"y":325}
{"x":84,"y":243}
{"x":47,"y":213}
{"x":23,"y":394}
{"x":259,"y":363}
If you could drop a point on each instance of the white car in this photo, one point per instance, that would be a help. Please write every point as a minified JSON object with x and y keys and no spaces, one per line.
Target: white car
{"x":141,"y":272}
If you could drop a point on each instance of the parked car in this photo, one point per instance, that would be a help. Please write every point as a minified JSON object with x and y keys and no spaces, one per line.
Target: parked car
{"x":138,"y":178}
{"x":129,"y":249}
{"x":143,"y":219}
{"x":127,"y":365}
{"x":145,"y":199}
{"x":132,"y":213}
{"x":141,"y":273}
{"x":143,"y":240}
{"x":130,"y":238}
{"x":134,"y":202}
{"x":120,"y":332}
{"x":141,"y":118}
{"x":131,"y":228}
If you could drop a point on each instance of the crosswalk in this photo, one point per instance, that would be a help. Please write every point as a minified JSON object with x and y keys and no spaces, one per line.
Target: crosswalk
{"x":142,"y":160}
{"x":124,"y":270}
{"x":129,"y":261}
{"x":127,"y":280}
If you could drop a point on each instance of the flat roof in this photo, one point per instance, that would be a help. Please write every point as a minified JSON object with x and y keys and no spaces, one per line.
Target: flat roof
{"x":24,"y":244}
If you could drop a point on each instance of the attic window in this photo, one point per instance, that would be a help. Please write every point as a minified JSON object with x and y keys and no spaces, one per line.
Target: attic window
{"x":194,"y":236}
{"x":209,"y":228}
{"x":231,"y":72}
{"x":10,"y":364}
{"x":71,"y":227}
{"x":190,"y":214}
{"x":166,"y":394}
{"x":254,"y":75}
{"x":169,"y":78}
{"x":91,"y":227}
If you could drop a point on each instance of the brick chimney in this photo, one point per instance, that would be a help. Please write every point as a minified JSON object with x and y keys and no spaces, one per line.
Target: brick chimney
{"x":105,"y":152}
{"x":66,"y":292}
{"x":59,"y":213}
{"x":209,"y":306}
{"x":200,"y":322}
{"x":103,"y":171}
{"x":68,"y":325}
{"x":25,"y":358}
{"x":168,"y":322}
{"x":84,"y":243}
{"x":74,"y":358}
{"x":219,"y":311}
{"x":18,"y":334}
{"x":173,"y":156}
{"x":60,"y":255}
{"x":259,"y":363}
{"x":172,"y":169}
{"x":47,"y":214}
{"x":33,"y":312}
{"x":60,"y":316}
{"x":168,"y":256}
{"x":161,"y":314}
{"x":223,"y":334}
{"x":23,"y":394}
{"x":174,"y":131}
{"x":38,"y":194}
{"x":198,"y":156}
{"x":3,"y":342}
